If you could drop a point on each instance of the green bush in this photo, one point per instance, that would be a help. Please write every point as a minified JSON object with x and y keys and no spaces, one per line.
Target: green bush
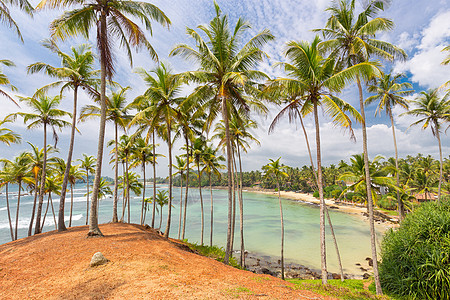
{"x":316,"y":194}
{"x":387,"y":203}
{"x":416,"y":257}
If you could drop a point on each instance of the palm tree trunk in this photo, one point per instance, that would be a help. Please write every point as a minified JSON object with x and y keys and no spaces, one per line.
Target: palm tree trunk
{"x":160,"y":218}
{"x":17,"y":211}
{"x":326,"y":209}
{"x":229,"y":172}
{"x":53,"y":211}
{"x":323,"y":253}
{"x":71,"y":204}
{"x":116,"y":175}
{"x":124,"y":192}
{"x":36,"y":183}
{"x":369,"y":193}
{"x":233,"y":183}
{"x":181,"y":205}
{"x":169,"y":209}
{"x":61,"y":224}
{"x":46,"y":211}
{"x":9,"y":213}
{"x":212,"y":210}
{"x":440,"y":163}
{"x":37,"y":228}
{"x":282,"y":230}
{"x":187,"y":186}
{"x":143,"y":193}
{"x":241,"y":209}
{"x":201,"y":200}
{"x":401,"y":208}
{"x":87,"y":195}
{"x":94,"y":230}
{"x":154,"y":181}
{"x":127,"y":169}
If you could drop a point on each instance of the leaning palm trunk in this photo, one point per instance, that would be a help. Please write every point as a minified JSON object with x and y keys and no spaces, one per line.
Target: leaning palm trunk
{"x":68,"y":164}
{"x":9,"y":213}
{"x":87,"y":196}
{"x":369,"y":193}
{"x":440,"y":164}
{"x":326,"y":209}
{"x":401,"y":208}
{"x":154,"y":181}
{"x":181,"y":205}
{"x":37,"y":228}
{"x":169,"y":209}
{"x":323,"y":253}
{"x":125,"y":191}
{"x":282,"y":230}
{"x":53,"y":211}
{"x":36,"y":188}
{"x":17,"y":211}
{"x":187,"y":186}
{"x":71,"y":204}
{"x":229,"y":172}
{"x":241,"y":209}
{"x":143,"y":195}
{"x":233,"y":183}
{"x":116,"y":175}
{"x":94,"y":230}
{"x":46,"y":211}
{"x":128,"y":188}
{"x":201,"y":201}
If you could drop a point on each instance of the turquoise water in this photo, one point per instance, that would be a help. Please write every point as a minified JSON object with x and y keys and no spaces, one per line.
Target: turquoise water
{"x":261,"y":224}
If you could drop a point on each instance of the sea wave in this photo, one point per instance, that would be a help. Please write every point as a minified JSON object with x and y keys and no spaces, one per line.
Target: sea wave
{"x":25,"y":222}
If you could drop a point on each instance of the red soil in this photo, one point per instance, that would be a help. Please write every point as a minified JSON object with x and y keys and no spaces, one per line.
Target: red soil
{"x":143,"y":265}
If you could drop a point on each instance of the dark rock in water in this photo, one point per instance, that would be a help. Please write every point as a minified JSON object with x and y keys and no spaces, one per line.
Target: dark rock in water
{"x":98,"y":259}
{"x":335,"y":276}
{"x":358,"y":264}
{"x":370,"y":261}
{"x":366,"y":276}
{"x":362,"y":269}
{"x":279,"y":261}
{"x":334,"y":207}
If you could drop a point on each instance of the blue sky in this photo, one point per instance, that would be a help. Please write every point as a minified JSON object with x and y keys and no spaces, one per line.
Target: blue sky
{"x":422,"y":29}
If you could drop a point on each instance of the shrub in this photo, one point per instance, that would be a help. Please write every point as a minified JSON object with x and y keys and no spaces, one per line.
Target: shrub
{"x":386,"y":202}
{"x":416,"y":257}
{"x":316,"y":194}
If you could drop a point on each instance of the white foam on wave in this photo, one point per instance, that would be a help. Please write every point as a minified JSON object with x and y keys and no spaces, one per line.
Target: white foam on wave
{"x":25,"y":222}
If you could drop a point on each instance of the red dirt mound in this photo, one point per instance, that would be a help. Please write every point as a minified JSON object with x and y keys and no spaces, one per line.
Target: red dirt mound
{"x":143,"y":265}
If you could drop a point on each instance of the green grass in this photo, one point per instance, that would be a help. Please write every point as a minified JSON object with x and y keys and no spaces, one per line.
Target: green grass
{"x":214,"y":252}
{"x":238,"y":291}
{"x":351,"y":289}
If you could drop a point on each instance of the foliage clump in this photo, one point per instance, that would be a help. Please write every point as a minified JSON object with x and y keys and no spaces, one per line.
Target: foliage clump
{"x":416,"y":257}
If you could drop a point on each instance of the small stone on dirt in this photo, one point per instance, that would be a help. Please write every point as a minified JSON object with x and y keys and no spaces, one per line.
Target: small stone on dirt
{"x":98,"y":259}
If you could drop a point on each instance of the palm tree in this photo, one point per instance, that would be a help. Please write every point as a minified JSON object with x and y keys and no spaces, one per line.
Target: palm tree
{"x":5,"y":16}
{"x":111,"y":21}
{"x":45,"y":113}
{"x":141,"y":155}
{"x":7,"y":136}
{"x":198,"y":149}
{"x":181,"y":167}
{"x":161,"y":199}
{"x":76,"y":72}
{"x":162,"y":93}
{"x":125,"y":148}
{"x":52,"y":185}
{"x":212,"y":160}
{"x":390,"y":93}
{"x":432,"y":111}
{"x":352,"y":39}
{"x":5,"y":180}
{"x":4,"y":80}
{"x":320,"y":78}
{"x":87,"y":164}
{"x":277,"y":170}
{"x":225,"y":77}
{"x":116,"y":112}
{"x":20,"y":174}
{"x":74,"y":175}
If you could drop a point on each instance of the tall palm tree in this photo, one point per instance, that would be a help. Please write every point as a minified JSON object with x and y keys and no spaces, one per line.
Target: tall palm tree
{"x":111,"y":22}
{"x":87,"y":163}
{"x":226,"y":77}
{"x":321,"y":78}
{"x":433,"y":111}
{"x":390,"y":93}
{"x":74,"y":175}
{"x":76,"y":71}
{"x":277,"y":170}
{"x":52,"y":185}
{"x":162,"y":93}
{"x":5,"y":180}
{"x":45,"y":113}
{"x":117,"y":113}
{"x":351,"y":37}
